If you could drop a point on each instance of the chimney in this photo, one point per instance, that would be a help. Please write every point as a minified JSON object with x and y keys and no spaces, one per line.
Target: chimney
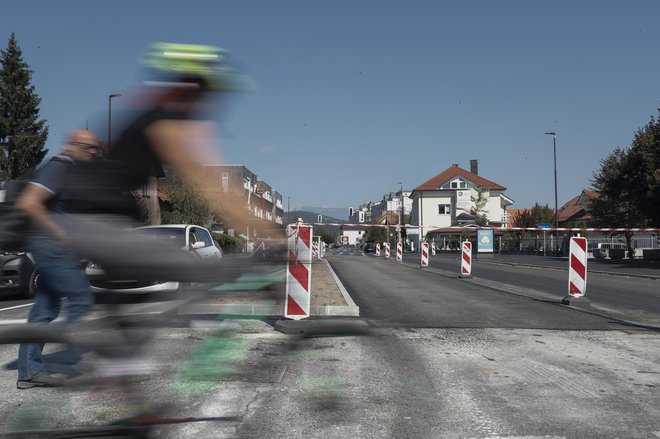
{"x":473,"y":167}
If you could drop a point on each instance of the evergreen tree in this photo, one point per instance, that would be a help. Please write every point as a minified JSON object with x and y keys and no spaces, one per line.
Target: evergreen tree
{"x":22,"y":134}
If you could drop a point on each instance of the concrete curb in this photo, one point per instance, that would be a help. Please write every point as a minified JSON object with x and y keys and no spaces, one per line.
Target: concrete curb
{"x":276,"y":309}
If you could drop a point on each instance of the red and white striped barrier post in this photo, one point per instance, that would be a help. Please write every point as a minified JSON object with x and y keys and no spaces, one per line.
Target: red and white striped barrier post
{"x":299,"y":271}
{"x":387,"y":250}
{"x":425,"y":254}
{"x":378,"y":249}
{"x":399,"y":252}
{"x":315,"y":248}
{"x":433,"y":247}
{"x":577,"y":270}
{"x":466,"y":259}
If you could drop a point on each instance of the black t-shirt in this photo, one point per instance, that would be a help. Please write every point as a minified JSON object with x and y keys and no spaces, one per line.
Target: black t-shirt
{"x":135,"y":150}
{"x":104,"y":186}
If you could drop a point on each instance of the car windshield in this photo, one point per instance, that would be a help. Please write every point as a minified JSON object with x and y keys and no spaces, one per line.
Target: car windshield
{"x":178,"y":235}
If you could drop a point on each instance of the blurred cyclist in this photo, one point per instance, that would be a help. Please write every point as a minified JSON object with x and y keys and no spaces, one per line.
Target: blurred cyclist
{"x":60,"y":274}
{"x":169,"y":131}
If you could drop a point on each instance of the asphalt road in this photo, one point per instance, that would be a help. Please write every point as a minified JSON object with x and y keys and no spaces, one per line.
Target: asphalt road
{"x":446,"y":357}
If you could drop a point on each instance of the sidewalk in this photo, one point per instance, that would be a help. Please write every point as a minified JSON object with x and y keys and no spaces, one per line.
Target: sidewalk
{"x":328,"y":298}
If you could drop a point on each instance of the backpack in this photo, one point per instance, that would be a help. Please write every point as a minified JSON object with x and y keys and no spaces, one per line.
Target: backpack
{"x":14,"y":224}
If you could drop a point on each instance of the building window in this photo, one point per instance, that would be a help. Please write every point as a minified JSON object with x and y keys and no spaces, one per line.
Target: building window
{"x":444,"y":209}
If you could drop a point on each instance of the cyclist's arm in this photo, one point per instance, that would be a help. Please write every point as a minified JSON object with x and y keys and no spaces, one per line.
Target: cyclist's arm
{"x":171,"y":144}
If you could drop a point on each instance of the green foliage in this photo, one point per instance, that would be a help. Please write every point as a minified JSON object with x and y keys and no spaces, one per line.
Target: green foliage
{"x":22,"y":134}
{"x":229,"y":244}
{"x":328,"y":236}
{"x":376,"y":234}
{"x":536,"y":215}
{"x":644,"y":158}
{"x":616,"y":183}
{"x":187,"y":208}
{"x":628,"y":183}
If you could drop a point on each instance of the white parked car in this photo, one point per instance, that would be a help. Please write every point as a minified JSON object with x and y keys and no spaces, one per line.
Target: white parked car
{"x":195,"y":239}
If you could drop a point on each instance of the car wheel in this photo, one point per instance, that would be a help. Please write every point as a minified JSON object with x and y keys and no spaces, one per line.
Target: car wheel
{"x":31,"y":287}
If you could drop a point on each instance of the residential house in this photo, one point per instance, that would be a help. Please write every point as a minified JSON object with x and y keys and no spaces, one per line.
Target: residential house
{"x":575,"y":212}
{"x":453,"y":197}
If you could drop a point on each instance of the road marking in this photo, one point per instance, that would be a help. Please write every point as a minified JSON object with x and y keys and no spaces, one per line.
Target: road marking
{"x":13,"y":321}
{"x":15,"y":307}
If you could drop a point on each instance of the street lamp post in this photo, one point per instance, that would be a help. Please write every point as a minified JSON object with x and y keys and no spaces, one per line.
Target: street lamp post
{"x":114,"y":95}
{"x":400,"y":209}
{"x":554,"y":150}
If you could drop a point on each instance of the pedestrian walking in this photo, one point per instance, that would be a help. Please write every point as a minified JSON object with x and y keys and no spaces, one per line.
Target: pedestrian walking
{"x":61,"y":276}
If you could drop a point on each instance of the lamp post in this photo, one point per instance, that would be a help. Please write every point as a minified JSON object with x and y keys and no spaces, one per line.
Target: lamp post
{"x":114,"y":95}
{"x":400,"y":209}
{"x":554,"y":150}
{"x":288,"y":209}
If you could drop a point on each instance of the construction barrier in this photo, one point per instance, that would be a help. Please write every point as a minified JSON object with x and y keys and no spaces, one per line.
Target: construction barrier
{"x":399,"y":252}
{"x":425,"y":254}
{"x":433,"y":248}
{"x":378,"y":249}
{"x":387,"y":250}
{"x":299,"y":271}
{"x":315,"y":249}
{"x":577,"y":267}
{"x":466,"y":259}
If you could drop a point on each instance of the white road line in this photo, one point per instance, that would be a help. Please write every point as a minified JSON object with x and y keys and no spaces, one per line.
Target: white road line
{"x":13,"y":322}
{"x":15,"y":307}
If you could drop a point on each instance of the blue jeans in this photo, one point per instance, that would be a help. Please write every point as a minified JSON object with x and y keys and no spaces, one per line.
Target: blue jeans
{"x":60,"y":277}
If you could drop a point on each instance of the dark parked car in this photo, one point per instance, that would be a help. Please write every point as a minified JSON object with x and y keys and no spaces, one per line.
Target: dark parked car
{"x":18,"y":274}
{"x":369,"y":247}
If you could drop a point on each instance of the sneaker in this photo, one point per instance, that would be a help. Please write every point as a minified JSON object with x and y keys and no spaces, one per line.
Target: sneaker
{"x":44,"y":379}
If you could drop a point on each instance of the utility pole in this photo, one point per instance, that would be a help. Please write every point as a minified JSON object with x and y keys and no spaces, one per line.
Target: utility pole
{"x":554,"y":150}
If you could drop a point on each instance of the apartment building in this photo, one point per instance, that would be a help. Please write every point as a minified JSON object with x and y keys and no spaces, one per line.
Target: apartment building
{"x":260,"y":198}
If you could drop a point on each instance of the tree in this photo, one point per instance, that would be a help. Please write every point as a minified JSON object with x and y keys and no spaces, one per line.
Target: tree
{"x":644,"y":163}
{"x":328,"y":236}
{"x":532,"y":217}
{"x":22,"y":134}
{"x":376,"y":234}
{"x":616,"y":182}
{"x":187,"y":208}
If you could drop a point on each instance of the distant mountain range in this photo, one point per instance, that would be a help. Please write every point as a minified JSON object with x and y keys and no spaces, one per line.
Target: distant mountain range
{"x":310,"y":217}
{"x":333,"y":212}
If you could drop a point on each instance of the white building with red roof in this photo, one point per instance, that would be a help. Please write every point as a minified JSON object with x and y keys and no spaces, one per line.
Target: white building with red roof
{"x":451,"y":197}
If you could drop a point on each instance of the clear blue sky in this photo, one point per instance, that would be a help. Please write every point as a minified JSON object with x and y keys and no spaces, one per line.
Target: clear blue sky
{"x":354,"y":96}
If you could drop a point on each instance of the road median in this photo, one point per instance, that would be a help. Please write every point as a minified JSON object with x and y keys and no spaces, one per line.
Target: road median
{"x":328,"y":298}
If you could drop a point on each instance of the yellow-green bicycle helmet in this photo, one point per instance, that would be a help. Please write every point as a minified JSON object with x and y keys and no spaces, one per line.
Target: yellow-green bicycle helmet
{"x":188,"y":62}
